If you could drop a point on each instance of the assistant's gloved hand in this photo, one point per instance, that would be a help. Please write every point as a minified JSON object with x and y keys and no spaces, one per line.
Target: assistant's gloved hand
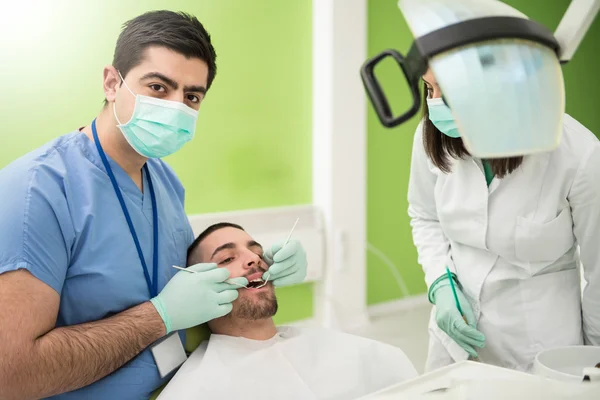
{"x":191,"y":299}
{"x":287,"y":264}
{"x":450,"y":321}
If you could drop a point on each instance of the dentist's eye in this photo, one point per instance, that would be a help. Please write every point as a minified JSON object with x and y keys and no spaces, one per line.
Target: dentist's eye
{"x":192,"y":98}
{"x":157,"y":88}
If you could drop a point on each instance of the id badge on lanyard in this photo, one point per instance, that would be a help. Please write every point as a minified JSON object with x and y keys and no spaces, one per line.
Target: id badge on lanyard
{"x":168,"y":352}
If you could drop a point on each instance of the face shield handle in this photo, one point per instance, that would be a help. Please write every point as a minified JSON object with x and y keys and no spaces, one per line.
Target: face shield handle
{"x":376,"y":95}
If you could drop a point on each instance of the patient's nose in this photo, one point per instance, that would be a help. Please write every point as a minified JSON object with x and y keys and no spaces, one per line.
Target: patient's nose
{"x":253,"y":260}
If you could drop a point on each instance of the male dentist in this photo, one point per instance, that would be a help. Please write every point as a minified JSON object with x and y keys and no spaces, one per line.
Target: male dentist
{"x":92,"y":223}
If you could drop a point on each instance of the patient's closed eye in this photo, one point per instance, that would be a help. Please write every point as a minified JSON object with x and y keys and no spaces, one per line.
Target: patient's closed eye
{"x":231,"y":258}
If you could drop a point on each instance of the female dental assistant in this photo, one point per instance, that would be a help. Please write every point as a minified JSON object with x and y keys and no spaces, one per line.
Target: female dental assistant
{"x":92,"y":223}
{"x":509,"y":232}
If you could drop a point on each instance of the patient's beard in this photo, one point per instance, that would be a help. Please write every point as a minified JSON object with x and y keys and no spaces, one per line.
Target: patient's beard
{"x":261,"y":306}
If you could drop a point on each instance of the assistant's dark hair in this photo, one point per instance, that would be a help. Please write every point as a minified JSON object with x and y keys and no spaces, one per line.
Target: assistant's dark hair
{"x":441,"y":148}
{"x":177,"y":31}
{"x":208,"y":231}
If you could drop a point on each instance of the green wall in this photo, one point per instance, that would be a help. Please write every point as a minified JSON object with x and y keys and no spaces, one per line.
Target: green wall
{"x":253,"y":144}
{"x":389,"y":150}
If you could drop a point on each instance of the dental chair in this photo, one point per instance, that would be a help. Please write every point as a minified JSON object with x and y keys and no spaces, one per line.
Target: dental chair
{"x":193,"y":338}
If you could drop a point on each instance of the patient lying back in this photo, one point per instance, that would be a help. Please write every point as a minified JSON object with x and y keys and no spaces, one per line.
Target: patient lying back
{"x":248,"y":357}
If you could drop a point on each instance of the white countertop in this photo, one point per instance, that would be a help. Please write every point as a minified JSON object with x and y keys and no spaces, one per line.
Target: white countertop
{"x":473,"y":380}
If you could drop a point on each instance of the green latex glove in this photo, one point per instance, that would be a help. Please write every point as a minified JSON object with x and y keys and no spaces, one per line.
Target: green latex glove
{"x":287,"y":264}
{"x":450,"y":321}
{"x":191,"y":299}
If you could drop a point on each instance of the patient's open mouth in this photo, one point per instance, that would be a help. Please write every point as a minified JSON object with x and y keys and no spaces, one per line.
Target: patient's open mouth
{"x":255,"y":283}
{"x":255,"y":280}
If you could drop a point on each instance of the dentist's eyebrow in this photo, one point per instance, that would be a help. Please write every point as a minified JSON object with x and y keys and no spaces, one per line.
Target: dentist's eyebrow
{"x":157,"y":75}
{"x":195,"y":88}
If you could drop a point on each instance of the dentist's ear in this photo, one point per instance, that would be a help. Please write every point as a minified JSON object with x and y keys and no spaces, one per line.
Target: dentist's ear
{"x":112,"y":81}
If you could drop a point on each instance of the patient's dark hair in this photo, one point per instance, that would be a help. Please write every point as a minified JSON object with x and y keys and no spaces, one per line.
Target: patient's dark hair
{"x":208,"y":231}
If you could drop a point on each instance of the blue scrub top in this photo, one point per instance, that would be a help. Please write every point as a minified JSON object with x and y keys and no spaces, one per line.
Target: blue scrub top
{"x":61,"y":220}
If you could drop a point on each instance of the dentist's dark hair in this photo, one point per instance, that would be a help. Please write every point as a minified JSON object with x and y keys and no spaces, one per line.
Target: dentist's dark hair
{"x":441,"y":148}
{"x":176,"y":31}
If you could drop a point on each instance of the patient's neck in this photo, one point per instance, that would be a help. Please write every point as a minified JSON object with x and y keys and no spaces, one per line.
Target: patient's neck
{"x":260,"y":329}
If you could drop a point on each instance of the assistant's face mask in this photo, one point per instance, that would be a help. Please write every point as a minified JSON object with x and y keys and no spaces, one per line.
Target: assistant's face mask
{"x":441,"y":116}
{"x":157,"y":127}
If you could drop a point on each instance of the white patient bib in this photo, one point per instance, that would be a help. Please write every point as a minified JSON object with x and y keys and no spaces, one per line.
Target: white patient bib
{"x":295,"y":364}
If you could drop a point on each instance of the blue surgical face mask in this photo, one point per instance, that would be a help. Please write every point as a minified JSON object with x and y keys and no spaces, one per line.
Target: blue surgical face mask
{"x":157,"y":127}
{"x":441,"y":116}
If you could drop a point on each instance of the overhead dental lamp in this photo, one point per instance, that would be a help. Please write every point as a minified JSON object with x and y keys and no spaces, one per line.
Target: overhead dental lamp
{"x":499,"y":72}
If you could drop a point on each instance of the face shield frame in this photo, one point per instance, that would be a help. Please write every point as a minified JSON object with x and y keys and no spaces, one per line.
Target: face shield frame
{"x":415,"y":64}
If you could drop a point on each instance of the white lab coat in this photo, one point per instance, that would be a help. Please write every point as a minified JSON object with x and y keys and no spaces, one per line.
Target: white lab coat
{"x":513,"y":247}
{"x":300,"y":364}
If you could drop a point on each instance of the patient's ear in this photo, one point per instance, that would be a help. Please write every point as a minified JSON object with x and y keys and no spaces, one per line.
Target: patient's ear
{"x":196,"y":256}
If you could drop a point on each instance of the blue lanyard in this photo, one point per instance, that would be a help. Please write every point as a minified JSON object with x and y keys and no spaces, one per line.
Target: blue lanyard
{"x":152,"y":286}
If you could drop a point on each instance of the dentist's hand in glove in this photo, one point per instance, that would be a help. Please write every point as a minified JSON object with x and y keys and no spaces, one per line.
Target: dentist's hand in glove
{"x":287,"y":264}
{"x":451,"y":321}
{"x":191,"y":299}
